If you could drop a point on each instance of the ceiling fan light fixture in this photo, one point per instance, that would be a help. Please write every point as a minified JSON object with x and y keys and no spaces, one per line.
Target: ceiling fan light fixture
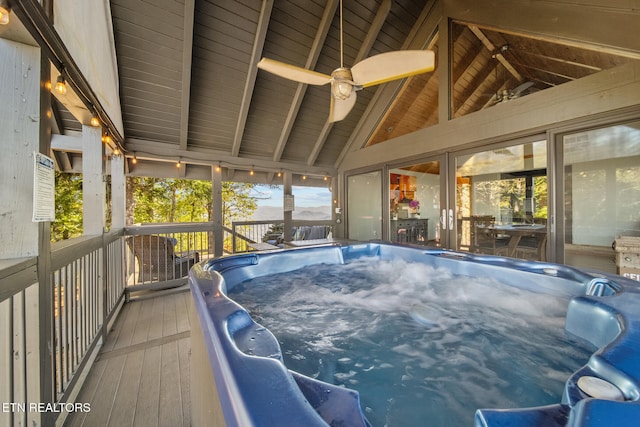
{"x":341,"y":83}
{"x":341,"y":89}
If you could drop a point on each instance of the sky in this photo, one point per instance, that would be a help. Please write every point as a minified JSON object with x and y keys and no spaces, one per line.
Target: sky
{"x":304,"y":196}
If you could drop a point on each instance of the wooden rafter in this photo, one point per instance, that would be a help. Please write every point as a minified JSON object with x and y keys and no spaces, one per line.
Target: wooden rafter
{"x":187,"y":55}
{"x":256,"y":53}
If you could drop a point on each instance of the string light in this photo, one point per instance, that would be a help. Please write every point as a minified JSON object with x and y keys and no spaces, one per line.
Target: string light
{"x":4,"y":12}
{"x":251,"y":171}
{"x":95,"y":121}
{"x":304,"y":177}
{"x":179,"y":163}
{"x":280,"y":173}
{"x":134,"y":160}
{"x":61,"y":85}
{"x":218,"y":168}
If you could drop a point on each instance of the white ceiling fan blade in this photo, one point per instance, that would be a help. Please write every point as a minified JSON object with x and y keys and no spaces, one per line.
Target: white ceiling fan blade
{"x":391,"y":66}
{"x":518,"y":90}
{"x":340,"y":107}
{"x":292,"y":72}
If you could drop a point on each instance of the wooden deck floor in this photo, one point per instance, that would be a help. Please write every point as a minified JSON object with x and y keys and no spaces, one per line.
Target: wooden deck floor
{"x":141,"y":374}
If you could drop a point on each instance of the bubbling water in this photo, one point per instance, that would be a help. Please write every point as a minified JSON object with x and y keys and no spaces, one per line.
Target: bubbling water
{"x":418,"y":343}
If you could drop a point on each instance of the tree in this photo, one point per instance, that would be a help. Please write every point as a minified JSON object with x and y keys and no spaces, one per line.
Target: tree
{"x":68,"y":223}
{"x":158,"y":200}
{"x":153,"y":200}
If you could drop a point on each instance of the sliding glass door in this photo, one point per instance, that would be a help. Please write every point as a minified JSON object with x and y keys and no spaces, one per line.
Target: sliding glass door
{"x":501,"y":200}
{"x":364,"y":206}
{"x":416,"y":203}
{"x":601,"y":193}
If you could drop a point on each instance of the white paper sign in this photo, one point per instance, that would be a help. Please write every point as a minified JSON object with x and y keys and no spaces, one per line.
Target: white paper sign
{"x":44,"y":185}
{"x":289,"y":204}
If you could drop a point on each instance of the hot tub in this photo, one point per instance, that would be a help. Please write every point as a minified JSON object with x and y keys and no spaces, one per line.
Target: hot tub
{"x":239,"y":377}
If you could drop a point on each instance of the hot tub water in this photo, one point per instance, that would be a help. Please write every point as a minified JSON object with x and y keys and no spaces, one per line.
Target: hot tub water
{"x":417,"y":342}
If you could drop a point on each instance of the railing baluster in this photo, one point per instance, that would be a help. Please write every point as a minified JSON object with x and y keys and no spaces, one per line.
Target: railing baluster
{"x":6,"y":355}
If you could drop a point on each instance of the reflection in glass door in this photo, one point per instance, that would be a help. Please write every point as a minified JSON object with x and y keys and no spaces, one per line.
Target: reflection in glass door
{"x":501,"y":201}
{"x":364,"y":206}
{"x":601,"y":196}
{"x":414,"y":204}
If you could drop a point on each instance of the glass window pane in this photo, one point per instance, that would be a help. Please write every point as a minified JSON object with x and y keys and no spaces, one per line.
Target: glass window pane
{"x":501,"y":201}
{"x":415,"y":204}
{"x":364,"y":203}
{"x":602,"y":192}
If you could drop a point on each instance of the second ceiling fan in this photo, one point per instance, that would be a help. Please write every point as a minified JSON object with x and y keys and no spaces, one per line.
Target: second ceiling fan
{"x":345,"y":81}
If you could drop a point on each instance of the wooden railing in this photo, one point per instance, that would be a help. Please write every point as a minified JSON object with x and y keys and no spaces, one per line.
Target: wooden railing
{"x":244,"y":233}
{"x":87,"y":279}
{"x":43,"y":349}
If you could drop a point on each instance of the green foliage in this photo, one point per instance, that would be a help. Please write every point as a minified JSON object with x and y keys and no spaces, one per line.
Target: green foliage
{"x":540,"y":196}
{"x":237,"y":202}
{"x":68,"y":223}
{"x":507,"y":194}
{"x":183,"y":200}
{"x":154,"y":200}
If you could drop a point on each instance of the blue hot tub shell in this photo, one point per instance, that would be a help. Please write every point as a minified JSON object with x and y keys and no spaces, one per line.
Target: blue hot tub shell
{"x":239,"y":378}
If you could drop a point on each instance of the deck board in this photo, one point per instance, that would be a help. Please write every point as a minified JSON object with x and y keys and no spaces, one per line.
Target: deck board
{"x":127,"y":392}
{"x":170,"y":391}
{"x":141,"y":374}
{"x":149,"y":393}
{"x":141,"y":333}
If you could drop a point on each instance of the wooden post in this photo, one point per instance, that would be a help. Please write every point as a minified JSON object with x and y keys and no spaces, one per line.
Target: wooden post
{"x":338,"y":229}
{"x":19,"y":139}
{"x":22,"y":134}
{"x":93,"y":188}
{"x":218,"y":231}
{"x":118,"y":193}
{"x":287,"y":179}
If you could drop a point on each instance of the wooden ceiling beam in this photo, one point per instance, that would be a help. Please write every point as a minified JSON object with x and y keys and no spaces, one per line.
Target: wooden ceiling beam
{"x":187,"y":56}
{"x":495,"y":52}
{"x":312,"y":59}
{"x":474,"y":86}
{"x":561,"y":60}
{"x":250,"y":82}
{"x":551,"y":73}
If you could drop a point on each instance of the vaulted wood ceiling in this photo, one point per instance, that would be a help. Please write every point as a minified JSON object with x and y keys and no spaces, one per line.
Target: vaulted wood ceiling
{"x":190,"y":88}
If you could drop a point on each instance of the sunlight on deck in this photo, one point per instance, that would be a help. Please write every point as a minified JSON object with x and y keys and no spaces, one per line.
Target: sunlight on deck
{"x":141,"y":375}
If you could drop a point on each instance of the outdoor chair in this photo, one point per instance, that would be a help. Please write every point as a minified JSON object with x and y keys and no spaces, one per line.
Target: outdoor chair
{"x":157,"y":260}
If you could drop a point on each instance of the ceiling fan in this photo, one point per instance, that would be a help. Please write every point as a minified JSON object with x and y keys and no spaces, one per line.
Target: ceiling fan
{"x":346,"y":81}
{"x":506,"y":94}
